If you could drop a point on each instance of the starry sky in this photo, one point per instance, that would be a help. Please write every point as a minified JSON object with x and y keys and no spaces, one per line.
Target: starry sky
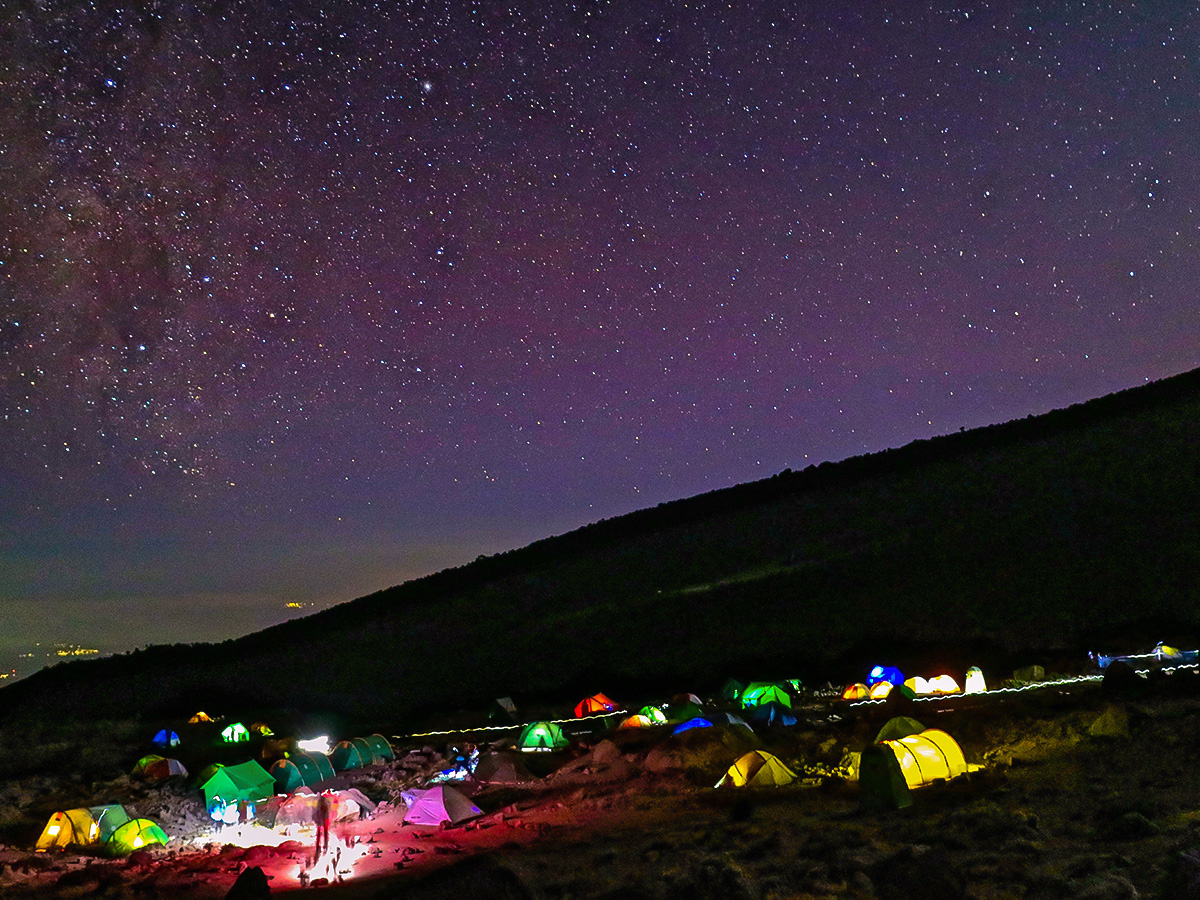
{"x":299,"y":300}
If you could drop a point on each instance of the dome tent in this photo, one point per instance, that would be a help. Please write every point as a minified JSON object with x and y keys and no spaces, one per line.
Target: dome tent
{"x":133,"y":835}
{"x":541,"y":736}
{"x":84,"y":827}
{"x":438,"y":805}
{"x":758,"y":768}
{"x":597,"y":704}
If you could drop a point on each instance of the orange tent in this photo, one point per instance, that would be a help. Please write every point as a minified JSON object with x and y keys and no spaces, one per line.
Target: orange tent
{"x":593,"y":705}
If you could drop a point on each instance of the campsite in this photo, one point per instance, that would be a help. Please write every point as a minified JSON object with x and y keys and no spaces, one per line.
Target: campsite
{"x":1067,"y":780}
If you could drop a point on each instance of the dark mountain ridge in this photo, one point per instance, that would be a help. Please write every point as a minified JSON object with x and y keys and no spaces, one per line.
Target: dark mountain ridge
{"x":1031,"y":537}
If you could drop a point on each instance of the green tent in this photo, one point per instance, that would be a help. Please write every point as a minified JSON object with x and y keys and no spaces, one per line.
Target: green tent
{"x":245,"y":781}
{"x":760,"y":692}
{"x":380,"y":746}
{"x":541,"y":736}
{"x":654,"y":714}
{"x":287,"y":776}
{"x":365,"y":751}
{"x":881,"y":782}
{"x":133,"y":835}
{"x":347,"y":755}
{"x":898,"y":727}
{"x":732,"y":690}
{"x":318,"y":762}
{"x":235,"y":733}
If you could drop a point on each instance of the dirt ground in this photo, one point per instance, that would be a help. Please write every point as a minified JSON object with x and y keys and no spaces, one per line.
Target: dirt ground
{"x":1086,"y":792}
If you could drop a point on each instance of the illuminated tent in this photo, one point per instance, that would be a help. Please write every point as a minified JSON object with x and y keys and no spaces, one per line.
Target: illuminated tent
{"x":637,"y":720}
{"x":347,"y":755}
{"x":235,"y":733}
{"x":262,"y":729}
{"x":890,"y":674}
{"x":81,"y":827}
{"x":157,"y":768}
{"x":199,"y":718}
{"x":245,"y":781}
{"x":974,"y":682}
{"x":594,"y":705}
{"x":758,"y":768}
{"x":133,"y":835}
{"x":760,"y":692}
{"x":857,"y":691}
{"x":501,"y":768}
{"x":772,"y":713}
{"x":165,"y":738}
{"x":654,"y":714}
{"x":942,"y":684}
{"x":880,"y":690}
{"x":368,"y":750}
{"x":916,"y":685}
{"x":696,"y":722}
{"x":438,"y":805}
{"x":681,"y":709}
{"x":541,"y":736}
{"x":929,"y":756}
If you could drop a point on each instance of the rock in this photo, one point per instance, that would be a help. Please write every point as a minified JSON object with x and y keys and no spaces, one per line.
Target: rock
{"x":660,"y":760}
{"x":1113,"y":722}
{"x":1029,"y":674}
{"x":483,"y":877}
{"x":250,"y":885}
{"x":1108,"y":886}
{"x":605,"y":752}
{"x":916,"y":873}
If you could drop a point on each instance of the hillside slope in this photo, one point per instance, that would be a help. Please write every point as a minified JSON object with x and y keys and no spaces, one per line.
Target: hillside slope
{"x":1035,"y":535}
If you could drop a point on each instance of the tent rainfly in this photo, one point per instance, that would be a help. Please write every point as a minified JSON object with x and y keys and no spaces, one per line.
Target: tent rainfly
{"x":760,"y":692}
{"x":596,"y":704}
{"x":857,"y":691}
{"x":245,"y":781}
{"x":165,"y":738}
{"x":758,"y":768}
{"x":133,"y":835}
{"x":347,"y":755}
{"x":438,"y":805}
{"x":541,"y":736}
{"x":235,"y":733}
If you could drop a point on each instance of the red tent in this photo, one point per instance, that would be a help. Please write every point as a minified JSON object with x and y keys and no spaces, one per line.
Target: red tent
{"x":597,"y":703}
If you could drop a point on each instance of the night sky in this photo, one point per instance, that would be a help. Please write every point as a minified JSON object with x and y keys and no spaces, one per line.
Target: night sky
{"x":299,"y":301}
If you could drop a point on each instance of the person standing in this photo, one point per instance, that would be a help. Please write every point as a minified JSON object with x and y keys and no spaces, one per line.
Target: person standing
{"x":323,"y":814}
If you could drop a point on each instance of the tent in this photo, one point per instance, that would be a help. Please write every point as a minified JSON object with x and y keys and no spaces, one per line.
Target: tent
{"x":380,"y":747}
{"x":594,"y":705}
{"x":501,"y":768}
{"x":654,"y":714}
{"x":880,"y":690}
{"x":974,"y":682}
{"x":502,"y":709}
{"x":732,"y":690}
{"x":758,"y":768}
{"x":773,"y":713}
{"x":760,"y":692}
{"x":696,"y":722}
{"x":262,"y":729}
{"x":898,"y":727}
{"x":943,"y":684}
{"x":165,"y":738}
{"x":199,"y":718}
{"x":245,"y":781}
{"x":637,"y":720}
{"x":857,"y":691}
{"x":235,"y":733}
{"x":890,"y":674}
{"x":680,"y":710}
{"x":440,"y":804}
{"x":929,"y":756}
{"x":917,"y":685}
{"x":157,"y":768}
{"x":347,"y":755}
{"x":313,"y":766}
{"x":287,"y":776}
{"x":133,"y":835}
{"x":541,"y":736}
{"x":367,"y":750}
{"x":81,"y":827}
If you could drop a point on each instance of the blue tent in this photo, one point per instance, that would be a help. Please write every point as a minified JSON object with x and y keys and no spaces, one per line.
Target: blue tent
{"x":166,"y":738}
{"x":697,"y":722}
{"x":890,"y":674}
{"x":773,"y":714}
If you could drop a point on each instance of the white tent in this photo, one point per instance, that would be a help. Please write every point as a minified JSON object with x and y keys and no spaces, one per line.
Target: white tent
{"x":438,"y":804}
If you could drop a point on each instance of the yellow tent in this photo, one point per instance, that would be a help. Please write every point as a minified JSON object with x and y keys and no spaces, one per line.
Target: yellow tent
{"x":757,"y":768}
{"x":82,"y":827}
{"x":880,"y":690}
{"x":856,"y":691}
{"x":928,"y":756}
{"x":199,"y":717}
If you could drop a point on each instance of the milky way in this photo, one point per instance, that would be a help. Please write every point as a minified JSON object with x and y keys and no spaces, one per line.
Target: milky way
{"x":300,"y":300}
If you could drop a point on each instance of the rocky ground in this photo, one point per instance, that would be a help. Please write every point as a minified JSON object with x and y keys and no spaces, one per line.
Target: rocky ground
{"x":1088,"y":791}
